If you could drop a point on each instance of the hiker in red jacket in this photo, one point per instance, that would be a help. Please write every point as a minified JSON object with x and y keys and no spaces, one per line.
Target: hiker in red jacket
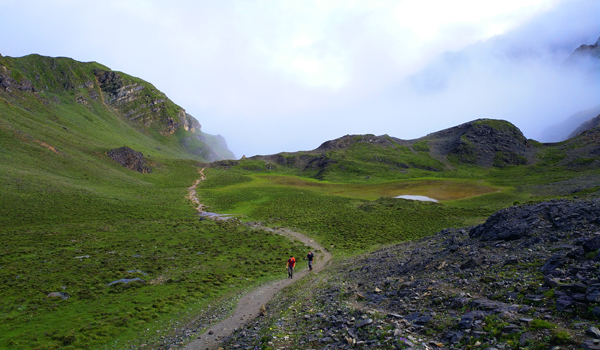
{"x":290,"y":266}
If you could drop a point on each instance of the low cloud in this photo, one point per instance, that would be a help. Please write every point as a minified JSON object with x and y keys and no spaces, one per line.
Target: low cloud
{"x":276,"y":76}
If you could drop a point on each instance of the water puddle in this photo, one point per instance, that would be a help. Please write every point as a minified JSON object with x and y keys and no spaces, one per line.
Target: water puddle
{"x":416,"y":198}
{"x":215,"y":215}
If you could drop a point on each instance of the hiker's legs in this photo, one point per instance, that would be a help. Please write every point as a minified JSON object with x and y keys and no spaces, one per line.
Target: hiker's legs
{"x":290,"y":271}
{"x":310,"y":265}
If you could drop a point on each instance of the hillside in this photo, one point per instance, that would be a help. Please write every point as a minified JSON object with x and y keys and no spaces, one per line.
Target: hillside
{"x":480,"y":146}
{"x":56,"y":100}
{"x":498,"y":285}
{"x":102,"y":246}
{"x":100,"y":240}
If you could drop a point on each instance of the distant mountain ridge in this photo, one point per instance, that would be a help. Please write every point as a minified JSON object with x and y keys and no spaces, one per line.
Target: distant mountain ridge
{"x":589,"y":55}
{"x":482,"y":143}
{"x":36,"y":80}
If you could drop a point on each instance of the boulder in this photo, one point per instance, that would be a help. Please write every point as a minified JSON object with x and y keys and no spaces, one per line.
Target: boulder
{"x":130,"y":159}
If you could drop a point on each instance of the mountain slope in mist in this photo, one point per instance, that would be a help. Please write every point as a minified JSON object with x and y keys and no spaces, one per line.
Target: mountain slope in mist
{"x":58,"y":100}
{"x":587,"y":56}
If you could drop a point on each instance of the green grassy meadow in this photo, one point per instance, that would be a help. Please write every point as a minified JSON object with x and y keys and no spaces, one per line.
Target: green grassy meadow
{"x":73,"y":221}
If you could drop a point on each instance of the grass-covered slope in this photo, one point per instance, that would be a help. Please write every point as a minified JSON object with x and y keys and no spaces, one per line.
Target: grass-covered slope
{"x":72,"y":220}
{"x":341,"y":192}
{"x":88,"y":106}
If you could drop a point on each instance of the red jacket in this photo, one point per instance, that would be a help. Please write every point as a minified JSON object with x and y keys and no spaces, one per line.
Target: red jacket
{"x":291,"y":262}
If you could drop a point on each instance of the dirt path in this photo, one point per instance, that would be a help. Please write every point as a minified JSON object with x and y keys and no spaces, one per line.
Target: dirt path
{"x":250,"y":304}
{"x":192,"y":192}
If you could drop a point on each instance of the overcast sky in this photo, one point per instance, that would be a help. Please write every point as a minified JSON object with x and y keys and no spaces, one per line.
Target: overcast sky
{"x":276,"y":75}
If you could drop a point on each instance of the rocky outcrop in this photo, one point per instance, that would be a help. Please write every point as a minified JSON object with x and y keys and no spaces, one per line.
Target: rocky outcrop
{"x":483,"y":142}
{"x":538,"y":220}
{"x":9,"y":84}
{"x":34,"y":81}
{"x":130,"y":159}
{"x":349,"y":140}
{"x":140,"y":103}
{"x":452,"y":290}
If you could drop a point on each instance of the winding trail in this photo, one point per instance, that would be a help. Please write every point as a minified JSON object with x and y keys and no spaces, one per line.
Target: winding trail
{"x":250,"y":304}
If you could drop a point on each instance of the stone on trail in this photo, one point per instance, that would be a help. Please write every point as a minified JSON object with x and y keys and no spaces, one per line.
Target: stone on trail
{"x":62,"y":295}
{"x":126,"y":280}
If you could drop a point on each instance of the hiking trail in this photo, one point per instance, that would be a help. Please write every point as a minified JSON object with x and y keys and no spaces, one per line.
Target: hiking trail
{"x":250,"y":304}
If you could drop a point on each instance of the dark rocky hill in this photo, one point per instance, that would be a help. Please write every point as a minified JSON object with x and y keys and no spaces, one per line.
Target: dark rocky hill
{"x":528,"y":278}
{"x":484,"y":142}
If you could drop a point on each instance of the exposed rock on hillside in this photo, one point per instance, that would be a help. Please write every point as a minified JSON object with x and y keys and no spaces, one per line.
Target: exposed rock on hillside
{"x":349,"y":140}
{"x":582,"y":151}
{"x":130,"y":159}
{"x":484,"y":142}
{"x":516,"y":223}
{"x":537,"y":290}
{"x":39,"y":83}
{"x":142,"y":104}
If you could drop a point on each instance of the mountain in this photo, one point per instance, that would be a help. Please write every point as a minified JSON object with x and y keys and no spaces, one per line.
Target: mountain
{"x":587,"y":125}
{"x":588,"y":52}
{"x":587,"y":56}
{"x":90,"y":101}
{"x":483,"y":142}
{"x":566,"y":129}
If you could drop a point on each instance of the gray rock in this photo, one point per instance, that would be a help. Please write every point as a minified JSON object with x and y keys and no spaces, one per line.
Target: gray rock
{"x":593,"y":332}
{"x":593,"y":296}
{"x":130,"y":159}
{"x":555,"y":262}
{"x":453,"y":337}
{"x":526,"y":338}
{"x":126,"y":280}
{"x":591,"y":344}
{"x":363,"y":323}
{"x":62,"y":295}
{"x":592,"y":244}
{"x":564,"y":302}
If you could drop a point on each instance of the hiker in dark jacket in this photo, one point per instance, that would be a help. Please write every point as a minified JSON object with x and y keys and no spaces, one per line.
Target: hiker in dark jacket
{"x":310,"y":258}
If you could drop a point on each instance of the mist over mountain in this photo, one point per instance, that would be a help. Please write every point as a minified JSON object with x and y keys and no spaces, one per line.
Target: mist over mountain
{"x":528,"y":82}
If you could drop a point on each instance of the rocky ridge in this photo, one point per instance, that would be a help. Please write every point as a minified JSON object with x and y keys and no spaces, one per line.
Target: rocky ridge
{"x":528,"y":278}
{"x":484,"y":142}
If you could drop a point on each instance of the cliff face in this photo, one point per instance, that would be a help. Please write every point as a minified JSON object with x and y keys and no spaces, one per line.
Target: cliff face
{"x":37,"y":80}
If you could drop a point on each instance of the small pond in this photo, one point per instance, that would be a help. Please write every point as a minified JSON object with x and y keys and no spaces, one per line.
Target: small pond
{"x":416,"y":198}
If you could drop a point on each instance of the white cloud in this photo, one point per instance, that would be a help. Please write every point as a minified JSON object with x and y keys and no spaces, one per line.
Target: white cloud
{"x":250,"y":69}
